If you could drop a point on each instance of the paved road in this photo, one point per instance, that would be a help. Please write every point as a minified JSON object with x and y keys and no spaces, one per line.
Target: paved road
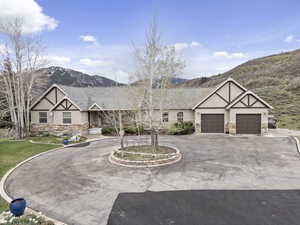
{"x":78,"y":185}
{"x":207,"y":207}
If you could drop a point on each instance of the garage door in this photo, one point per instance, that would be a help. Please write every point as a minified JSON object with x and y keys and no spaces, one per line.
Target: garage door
{"x":248,"y":123}
{"x":212,"y":123}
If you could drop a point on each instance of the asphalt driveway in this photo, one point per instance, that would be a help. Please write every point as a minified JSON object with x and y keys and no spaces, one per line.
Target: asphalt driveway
{"x":78,"y":185}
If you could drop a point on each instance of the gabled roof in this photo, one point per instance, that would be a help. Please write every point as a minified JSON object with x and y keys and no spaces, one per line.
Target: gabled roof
{"x":125,"y":98}
{"x":122,"y":98}
{"x":65,"y":98}
{"x":45,"y":93}
{"x":218,"y":88}
{"x":254,"y":95}
{"x":95,"y":104}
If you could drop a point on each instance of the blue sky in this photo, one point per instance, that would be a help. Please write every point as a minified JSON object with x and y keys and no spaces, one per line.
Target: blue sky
{"x":96,"y":36}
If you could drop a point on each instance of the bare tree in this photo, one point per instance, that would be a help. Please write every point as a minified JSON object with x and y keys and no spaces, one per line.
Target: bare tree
{"x":21,"y":58}
{"x":156,"y":65}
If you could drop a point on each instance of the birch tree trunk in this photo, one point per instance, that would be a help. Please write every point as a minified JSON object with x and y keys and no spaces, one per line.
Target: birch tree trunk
{"x":156,"y":64}
{"x":19,"y":63}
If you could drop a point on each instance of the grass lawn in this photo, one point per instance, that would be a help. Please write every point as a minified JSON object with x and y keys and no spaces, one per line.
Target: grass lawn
{"x":13,"y":152}
{"x":51,"y":139}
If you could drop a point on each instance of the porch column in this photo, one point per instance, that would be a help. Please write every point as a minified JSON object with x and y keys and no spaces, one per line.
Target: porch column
{"x":89,"y":119}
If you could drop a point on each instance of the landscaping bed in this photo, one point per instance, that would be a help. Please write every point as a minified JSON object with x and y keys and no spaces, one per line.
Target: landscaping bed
{"x":52,"y":139}
{"x":145,"y":156}
{"x":149,"y":149}
{"x":29,"y":219}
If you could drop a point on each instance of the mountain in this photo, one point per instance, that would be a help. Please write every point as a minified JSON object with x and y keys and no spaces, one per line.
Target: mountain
{"x":157,"y":83}
{"x":59,"y":75}
{"x":275,"y":78}
{"x":178,"y":80}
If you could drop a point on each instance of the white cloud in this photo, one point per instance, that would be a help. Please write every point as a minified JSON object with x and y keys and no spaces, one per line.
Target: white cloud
{"x":184,"y":45}
{"x":221,"y":54}
{"x":88,"y":38}
{"x":180,"y":46}
{"x":117,"y":61}
{"x":31,"y":14}
{"x":195,"y":44}
{"x":289,"y":39}
{"x":58,"y":60}
{"x":94,"y":63}
{"x":237,"y":55}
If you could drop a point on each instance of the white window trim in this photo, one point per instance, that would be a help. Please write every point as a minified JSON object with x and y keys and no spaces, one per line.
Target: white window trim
{"x":43,"y":117}
{"x":164,"y":118}
{"x":182,"y":116}
{"x":63,"y":118}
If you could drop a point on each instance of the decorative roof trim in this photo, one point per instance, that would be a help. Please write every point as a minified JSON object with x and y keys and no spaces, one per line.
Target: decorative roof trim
{"x":218,"y":88}
{"x":249,"y":93}
{"x":60,"y":101}
{"x":45,"y":93}
{"x":95,"y":104}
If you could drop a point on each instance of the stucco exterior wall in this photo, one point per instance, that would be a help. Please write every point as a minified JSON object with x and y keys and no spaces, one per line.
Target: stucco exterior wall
{"x":213,"y":101}
{"x":35,"y":116}
{"x":58,"y":117}
{"x":188,"y":115}
{"x":44,"y":104}
{"x":55,"y":123}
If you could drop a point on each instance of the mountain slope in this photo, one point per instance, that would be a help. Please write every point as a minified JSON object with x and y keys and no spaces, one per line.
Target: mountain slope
{"x":59,"y":75}
{"x":275,"y":78}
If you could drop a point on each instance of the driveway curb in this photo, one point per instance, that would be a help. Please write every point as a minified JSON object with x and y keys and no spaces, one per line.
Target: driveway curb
{"x":297,"y":144}
{"x":7,"y":198}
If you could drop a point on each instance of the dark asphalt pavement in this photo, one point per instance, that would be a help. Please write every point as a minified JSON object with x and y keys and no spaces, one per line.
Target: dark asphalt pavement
{"x":207,"y":207}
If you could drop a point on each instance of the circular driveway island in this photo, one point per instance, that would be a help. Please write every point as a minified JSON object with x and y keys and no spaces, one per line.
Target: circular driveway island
{"x":78,"y":185}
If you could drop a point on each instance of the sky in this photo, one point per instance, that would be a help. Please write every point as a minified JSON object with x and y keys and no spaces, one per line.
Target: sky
{"x":212,"y":37}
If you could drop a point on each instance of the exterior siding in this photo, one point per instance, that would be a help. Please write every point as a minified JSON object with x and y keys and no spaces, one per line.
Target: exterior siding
{"x":188,"y":115}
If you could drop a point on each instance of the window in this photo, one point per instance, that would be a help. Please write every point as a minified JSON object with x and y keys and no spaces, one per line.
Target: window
{"x":180,"y":117}
{"x":165,"y":117}
{"x":67,"y":117}
{"x":43,"y":117}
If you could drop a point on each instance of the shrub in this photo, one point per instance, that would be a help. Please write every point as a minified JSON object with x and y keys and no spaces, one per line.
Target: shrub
{"x":108,"y":131}
{"x":127,"y":130}
{"x":5,"y":124}
{"x":182,"y":128}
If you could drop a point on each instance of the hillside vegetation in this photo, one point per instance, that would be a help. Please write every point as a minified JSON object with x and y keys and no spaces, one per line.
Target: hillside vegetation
{"x":275,"y":78}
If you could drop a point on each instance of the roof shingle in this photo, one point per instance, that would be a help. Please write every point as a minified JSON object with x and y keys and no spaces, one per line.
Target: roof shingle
{"x":115,"y":98}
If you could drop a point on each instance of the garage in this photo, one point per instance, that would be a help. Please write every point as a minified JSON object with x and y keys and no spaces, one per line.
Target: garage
{"x":212,"y":123}
{"x":248,"y":123}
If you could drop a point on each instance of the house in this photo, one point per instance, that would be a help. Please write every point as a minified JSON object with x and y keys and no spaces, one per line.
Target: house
{"x":227,"y":108}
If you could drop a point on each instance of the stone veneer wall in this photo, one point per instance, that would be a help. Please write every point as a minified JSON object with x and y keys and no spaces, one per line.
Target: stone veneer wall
{"x":58,"y":129}
{"x":232,"y":128}
{"x":264,"y":129}
{"x":198,"y":127}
